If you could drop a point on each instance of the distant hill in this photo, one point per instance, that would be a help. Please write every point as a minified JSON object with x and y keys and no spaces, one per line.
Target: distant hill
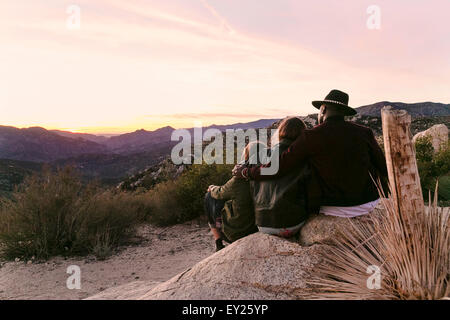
{"x":263,"y":123}
{"x":84,"y":136}
{"x":423,"y":109}
{"x":139,"y":141}
{"x":111,"y":168}
{"x":40,"y":145}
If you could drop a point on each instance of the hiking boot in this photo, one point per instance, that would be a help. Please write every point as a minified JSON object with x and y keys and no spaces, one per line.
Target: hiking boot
{"x":219,"y":245}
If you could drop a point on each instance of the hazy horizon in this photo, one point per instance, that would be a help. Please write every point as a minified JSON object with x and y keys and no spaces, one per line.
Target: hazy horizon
{"x":111,"y":133}
{"x":146,"y":64}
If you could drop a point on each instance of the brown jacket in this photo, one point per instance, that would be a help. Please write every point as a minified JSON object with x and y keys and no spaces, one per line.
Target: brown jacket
{"x":342,"y":156}
{"x":280,"y":203}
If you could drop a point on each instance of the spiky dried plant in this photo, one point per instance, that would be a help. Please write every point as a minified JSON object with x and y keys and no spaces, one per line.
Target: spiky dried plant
{"x":412,"y":255}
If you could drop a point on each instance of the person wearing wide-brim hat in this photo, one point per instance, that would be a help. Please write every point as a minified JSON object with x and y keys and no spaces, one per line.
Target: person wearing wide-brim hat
{"x":336,"y":102}
{"x":344,"y":158}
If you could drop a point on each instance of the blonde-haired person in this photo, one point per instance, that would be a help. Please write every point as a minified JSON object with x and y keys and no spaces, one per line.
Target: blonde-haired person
{"x":229,"y":208}
{"x":279,"y":203}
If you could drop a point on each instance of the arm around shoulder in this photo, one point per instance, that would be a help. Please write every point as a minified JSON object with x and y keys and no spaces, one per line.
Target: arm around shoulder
{"x":294,"y":156}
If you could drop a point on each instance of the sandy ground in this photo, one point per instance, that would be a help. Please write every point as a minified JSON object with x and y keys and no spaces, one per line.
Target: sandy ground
{"x":161,"y":254}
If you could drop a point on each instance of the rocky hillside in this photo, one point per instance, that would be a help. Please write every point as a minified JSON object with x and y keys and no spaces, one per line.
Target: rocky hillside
{"x":110,"y":168}
{"x":148,"y":178}
{"x":423,"y":109}
{"x":139,"y":141}
{"x":418,"y":124}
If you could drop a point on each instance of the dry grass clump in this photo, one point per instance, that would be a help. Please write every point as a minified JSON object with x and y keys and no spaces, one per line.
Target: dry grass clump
{"x":55,"y":214}
{"x":413,"y":256}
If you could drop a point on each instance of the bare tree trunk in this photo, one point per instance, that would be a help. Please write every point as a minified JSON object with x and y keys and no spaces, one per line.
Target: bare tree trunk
{"x":401,"y":162}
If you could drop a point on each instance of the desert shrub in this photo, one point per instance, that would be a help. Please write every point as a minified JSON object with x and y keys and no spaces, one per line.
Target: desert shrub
{"x":55,"y":214}
{"x":165,"y":206}
{"x":193,"y":186}
{"x":444,"y":190}
{"x":433,"y":167}
{"x":410,"y":249}
{"x":180,"y":200}
{"x":424,"y":149}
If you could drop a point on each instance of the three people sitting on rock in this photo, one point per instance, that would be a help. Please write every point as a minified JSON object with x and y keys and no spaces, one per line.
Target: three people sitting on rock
{"x":330,"y":169}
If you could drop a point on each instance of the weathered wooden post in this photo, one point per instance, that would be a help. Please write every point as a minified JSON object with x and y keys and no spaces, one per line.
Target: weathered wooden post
{"x":401,"y":162}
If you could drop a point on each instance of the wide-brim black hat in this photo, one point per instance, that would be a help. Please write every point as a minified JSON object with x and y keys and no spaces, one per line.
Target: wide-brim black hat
{"x":336,"y":98}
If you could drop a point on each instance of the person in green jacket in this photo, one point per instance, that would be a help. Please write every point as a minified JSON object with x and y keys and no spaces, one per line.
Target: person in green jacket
{"x":229,"y":208}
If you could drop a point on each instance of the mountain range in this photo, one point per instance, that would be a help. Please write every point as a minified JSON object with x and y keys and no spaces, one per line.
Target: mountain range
{"x":40,"y":145}
{"x":112,"y":158}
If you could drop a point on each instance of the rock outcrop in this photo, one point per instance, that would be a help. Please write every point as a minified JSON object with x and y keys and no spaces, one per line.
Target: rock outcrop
{"x":163,"y":171}
{"x":259,"y":266}
{"x":438,"y":135}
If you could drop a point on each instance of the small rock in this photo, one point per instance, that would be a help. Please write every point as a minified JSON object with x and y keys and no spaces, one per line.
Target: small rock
{"x":17,"y":259}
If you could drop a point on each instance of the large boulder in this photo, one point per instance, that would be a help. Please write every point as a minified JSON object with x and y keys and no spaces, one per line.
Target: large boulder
{"x":259,"y":266}
{"x":438,"y":135}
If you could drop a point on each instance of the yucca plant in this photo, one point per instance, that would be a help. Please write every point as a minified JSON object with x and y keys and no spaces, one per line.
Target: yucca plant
{"x":412,"y":256}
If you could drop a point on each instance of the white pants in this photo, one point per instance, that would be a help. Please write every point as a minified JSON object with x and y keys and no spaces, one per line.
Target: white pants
{"x":349,"y":212}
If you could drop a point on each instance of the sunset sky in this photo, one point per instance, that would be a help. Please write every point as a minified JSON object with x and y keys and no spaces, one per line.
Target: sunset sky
{"x":149,"y":63}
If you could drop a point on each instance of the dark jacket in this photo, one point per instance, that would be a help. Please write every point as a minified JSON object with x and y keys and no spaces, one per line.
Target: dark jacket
{"x":280,"y":203}
{"x":238,"y":216}
{"x":342,"y":156}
